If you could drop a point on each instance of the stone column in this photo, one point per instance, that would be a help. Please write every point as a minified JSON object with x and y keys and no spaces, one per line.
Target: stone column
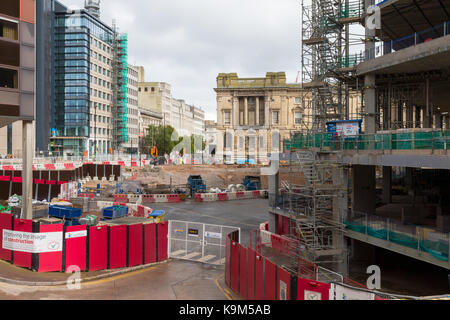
{"x":235,"y":111}
{"x":267,"y":111}
{"x":246,"y":111}
{"x":257,"y":112}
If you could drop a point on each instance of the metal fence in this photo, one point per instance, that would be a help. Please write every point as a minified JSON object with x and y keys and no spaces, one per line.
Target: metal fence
{"x":393,"y":140}
{"x":420,"y":238}
{"x":198,"y":242}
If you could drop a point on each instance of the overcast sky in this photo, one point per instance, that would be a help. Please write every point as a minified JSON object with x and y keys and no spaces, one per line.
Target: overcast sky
{"x":188,"y":43}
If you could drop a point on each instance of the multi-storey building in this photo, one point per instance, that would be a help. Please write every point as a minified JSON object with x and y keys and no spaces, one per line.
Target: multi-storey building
{"x":385,"y":199}
{"x":254,"y":115}
{"x":156,"y":98}
{"x":89,"y":85}
{"x":17,"y":73}
{"x":132,"y":111}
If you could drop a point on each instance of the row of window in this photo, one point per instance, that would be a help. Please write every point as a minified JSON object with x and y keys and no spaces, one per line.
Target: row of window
{"x":146,"y":89}
{"x":132,"y":102}
{"x":133,"y":73}
{"x":100,"y":58}
{"x":100,"y":94}
{"x":275,"y":117}
{"x":101,"y":131}
{"x":100,"y":82}
{"x":100,"y":70}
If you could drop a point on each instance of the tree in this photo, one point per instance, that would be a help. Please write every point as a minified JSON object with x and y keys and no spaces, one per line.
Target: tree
{"x":163,"y":137}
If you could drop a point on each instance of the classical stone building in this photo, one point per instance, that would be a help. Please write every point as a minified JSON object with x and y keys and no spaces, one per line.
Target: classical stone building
{"x":255,"y":116}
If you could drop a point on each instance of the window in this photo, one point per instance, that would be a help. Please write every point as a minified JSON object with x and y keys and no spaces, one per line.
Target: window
{"x":146,"y":89}
{"x":275,"y":117}
{"x":297,"y":117}
{"x":153,"y":89}
{"x":227,"y":117}
{"x":298,"y":100}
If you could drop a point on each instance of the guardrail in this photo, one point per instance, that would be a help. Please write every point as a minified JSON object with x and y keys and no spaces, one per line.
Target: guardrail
{"x":383,"y":48}
{"x":393,"y":140}
{"x":421,"y":238}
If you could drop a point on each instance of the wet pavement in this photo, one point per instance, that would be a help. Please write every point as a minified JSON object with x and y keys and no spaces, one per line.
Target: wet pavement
{"x":175,"y":280}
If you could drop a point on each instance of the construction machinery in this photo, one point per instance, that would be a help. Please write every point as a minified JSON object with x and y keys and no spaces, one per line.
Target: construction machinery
{"x":196,"y":184}
{"x":252,"y":183}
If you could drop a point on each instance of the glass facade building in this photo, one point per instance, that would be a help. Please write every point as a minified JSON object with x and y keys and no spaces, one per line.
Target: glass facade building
{"x":71,"y":125}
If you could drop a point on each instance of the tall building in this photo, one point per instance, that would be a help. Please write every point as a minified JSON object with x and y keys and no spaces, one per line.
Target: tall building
{"x":17,"y":73}
{"x":132,"y":111}
{"x":89,"y":103}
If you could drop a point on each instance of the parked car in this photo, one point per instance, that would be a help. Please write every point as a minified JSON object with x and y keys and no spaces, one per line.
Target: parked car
{"x":158,"y":161}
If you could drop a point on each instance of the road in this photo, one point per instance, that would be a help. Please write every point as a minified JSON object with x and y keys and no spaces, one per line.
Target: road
{"x":246,"y":214}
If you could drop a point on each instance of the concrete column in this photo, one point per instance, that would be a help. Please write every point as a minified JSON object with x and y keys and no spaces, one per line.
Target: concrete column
{"x":273,"y":184}
{"x":27,"y":169}
{"x":246,"y":111}
{"x":387,"y":185}
{"x":427,"y":118}
{"x":257,"y":112}
{"x":370,"y":103}
{"x":369,"y":80}
{"x":364,"y":189}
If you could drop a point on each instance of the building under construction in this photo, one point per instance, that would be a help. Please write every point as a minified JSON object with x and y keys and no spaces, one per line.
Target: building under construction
{"x":377,"y":175}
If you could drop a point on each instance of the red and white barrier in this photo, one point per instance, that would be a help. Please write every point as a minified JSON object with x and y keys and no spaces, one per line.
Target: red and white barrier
{"x":230,"y":196}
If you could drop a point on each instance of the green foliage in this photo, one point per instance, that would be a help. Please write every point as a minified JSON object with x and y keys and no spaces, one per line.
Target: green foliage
{"x":166,"y":140}
{"x":161,"y":137}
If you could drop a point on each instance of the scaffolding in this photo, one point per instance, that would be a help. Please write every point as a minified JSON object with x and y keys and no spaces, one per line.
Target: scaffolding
{"x":327,"y":65}
{"x":119,"y":87}
{"x":315,"y":218}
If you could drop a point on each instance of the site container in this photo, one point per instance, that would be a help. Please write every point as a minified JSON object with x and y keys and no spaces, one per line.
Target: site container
{"x":115,"y":212}
{"x":64,"y":212}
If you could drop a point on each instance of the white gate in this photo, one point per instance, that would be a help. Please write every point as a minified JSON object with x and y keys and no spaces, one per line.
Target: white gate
{"x":199,"y":242}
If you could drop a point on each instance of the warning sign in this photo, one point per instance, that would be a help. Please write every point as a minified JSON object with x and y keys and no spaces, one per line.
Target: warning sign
{"x":76,"y":234}
{"x":311,"y":295}
{"x":193,"y":232}
{"x":32,"y":242}
{"x":213,"y":235}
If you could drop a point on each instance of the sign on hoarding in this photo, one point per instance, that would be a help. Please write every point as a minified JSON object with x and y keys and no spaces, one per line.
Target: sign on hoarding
{"x":32,"y":242}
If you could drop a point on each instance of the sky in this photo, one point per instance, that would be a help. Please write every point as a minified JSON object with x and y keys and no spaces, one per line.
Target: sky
{"x":188,"y":43}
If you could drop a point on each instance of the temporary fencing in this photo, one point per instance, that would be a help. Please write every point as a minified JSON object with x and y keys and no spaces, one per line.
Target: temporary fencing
{"x":230,"y":196}
{"x":265,"y":271}
{"x":54,"y":248}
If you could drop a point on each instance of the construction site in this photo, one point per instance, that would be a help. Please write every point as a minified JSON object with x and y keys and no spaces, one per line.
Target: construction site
{"x":376,"y":172}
